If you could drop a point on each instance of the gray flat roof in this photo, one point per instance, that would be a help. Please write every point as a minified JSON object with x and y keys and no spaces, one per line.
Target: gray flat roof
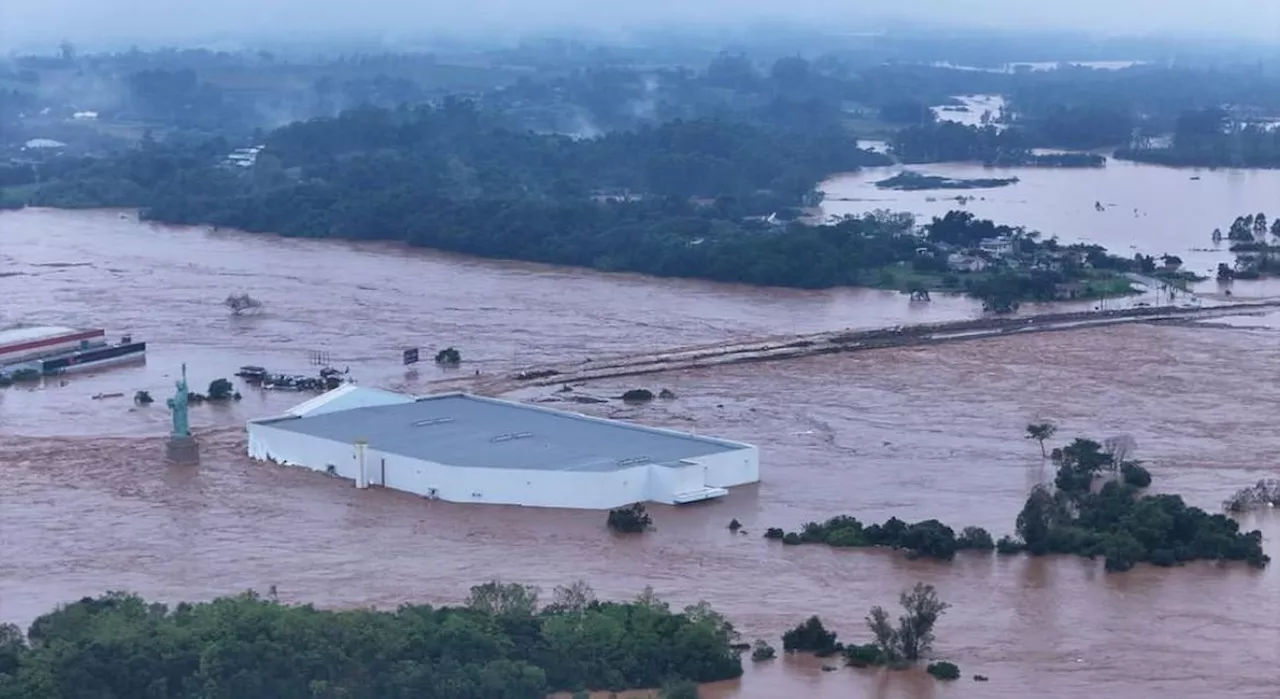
{"x":473,"y":431}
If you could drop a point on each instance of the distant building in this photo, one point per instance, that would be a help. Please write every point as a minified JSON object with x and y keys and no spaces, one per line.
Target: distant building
{"x":244,"y":157}
{"x":464,"y":448}
{"x":963,"y":262}
{"x":997,"y":247}
{"x":43,"y":144}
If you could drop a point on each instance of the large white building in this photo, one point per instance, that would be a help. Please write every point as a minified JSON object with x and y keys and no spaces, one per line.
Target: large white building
{"x":464,"y":448}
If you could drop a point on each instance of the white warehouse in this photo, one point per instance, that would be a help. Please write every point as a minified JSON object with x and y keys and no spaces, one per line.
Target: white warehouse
{"x":464,"y":448}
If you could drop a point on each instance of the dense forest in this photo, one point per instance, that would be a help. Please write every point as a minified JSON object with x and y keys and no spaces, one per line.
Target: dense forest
{"x":706,"y":198}
{"x":501,"y":645}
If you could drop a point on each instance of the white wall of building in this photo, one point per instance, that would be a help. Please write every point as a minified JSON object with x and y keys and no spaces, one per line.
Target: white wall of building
{"x":730,"y":468}
{"x":532,"y":488}
{"x":267,"y":443}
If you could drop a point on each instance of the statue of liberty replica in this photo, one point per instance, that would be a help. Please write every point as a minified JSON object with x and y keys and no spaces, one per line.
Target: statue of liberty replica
{"x":182,"y":447}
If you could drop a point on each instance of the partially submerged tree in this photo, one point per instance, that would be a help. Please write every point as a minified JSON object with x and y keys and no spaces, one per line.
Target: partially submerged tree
{"x":762,"y":651}
{"x":1120,"y":448}
{"x":1041,"y":431}
{"x":630,"y":520}
{"x":810,"y":637}
{"x":1265,"y":493}
{"x":449,"y":356}
{"x":242,"y":303}
{"x":221,"y":389}
{"x":912,"y":639}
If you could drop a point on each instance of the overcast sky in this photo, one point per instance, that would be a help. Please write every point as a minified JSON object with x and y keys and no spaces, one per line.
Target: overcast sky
{"x":33,"y":22}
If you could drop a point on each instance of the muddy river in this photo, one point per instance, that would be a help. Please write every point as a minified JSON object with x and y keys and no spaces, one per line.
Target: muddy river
{"x":87,"y":505}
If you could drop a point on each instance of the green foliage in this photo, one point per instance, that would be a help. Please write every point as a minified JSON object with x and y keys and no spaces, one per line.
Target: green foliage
{"x":945,"y":141}
{"x":449,"y":356}
{"x":637,"y":395}
{"x":811,"y":637}
{"x":762,"y":651}
{"x":686,"y":198}
{"x":865,"y":655}
{"x":913,"y":637}
{"x":1135,"y":475}
{"x":632,"y":519}
{"x":944,"y":670}
{"x":220,"y":389}
{"x":679,"y":689}
{"x":1128,"y":528}
{"x":249,"y":648}
{"x":929,"y":538}
{"x":975,"y":538}
{"x":1208,"y":137}
{"x":1040,"y":432}
{"x":1008,"y":546}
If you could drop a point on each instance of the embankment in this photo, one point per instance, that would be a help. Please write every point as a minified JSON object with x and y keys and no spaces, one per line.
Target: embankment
{"x":793,"y":347}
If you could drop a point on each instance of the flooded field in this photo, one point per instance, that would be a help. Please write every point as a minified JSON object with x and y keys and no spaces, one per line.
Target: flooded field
{"x":1147,"y":208}
{"x":87,"y":505}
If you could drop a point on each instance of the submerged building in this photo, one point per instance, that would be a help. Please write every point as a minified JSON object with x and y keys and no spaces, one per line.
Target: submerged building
{"x":464,"y":448}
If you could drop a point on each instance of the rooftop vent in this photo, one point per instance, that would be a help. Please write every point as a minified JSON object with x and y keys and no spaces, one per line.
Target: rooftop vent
{"x":432,"y":421}
{"x":510,"y":436}
{"x":632,"y":461}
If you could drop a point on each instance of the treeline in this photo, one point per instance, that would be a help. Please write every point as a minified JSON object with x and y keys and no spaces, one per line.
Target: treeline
{"x":502,"y":644}
{"x":456,"y":151}
{"x":704,"y":199}
{"x":990,"y":145}
{"x":1115,"y":521}
{"x":1213,"y":137}
{"x":460,"y":150}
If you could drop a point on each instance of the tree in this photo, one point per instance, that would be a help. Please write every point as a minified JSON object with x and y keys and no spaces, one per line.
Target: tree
{"x":915,"y":629}
{"x":761,"y":650}
{"x":912,"y":639}
{"x":630,"y":520}
{"x":1120,"y":448}
{"x":240,"y":303}
{"x":1037,"y":518}
{"x":12,"y":644}
{"x":574,"y":597}
{"x":220,"y":389}
{"x":1041,"y":431}
{"x":810,"y":637}
{"x":449,"y":356}
{"x":504,"y":599}
{"x":944,"y":670}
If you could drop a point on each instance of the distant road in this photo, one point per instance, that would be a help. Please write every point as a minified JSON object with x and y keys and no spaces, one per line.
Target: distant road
{"x":798,"y":346}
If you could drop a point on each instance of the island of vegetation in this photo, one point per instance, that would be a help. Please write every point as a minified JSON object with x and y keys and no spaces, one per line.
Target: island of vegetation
{"x":909,"y":181}
{"x":893,"y":646}
{"x":1256,"y":246}
{"x":502,"y":644}
{"x":1095,"y":508}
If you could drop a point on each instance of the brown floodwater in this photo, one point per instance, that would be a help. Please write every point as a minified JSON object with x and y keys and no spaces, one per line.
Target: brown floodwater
{"x":87,"y":505}
{"x":1148,"y":209}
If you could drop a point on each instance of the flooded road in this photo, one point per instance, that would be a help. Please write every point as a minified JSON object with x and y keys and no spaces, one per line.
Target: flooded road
{"x":86,"y":503}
